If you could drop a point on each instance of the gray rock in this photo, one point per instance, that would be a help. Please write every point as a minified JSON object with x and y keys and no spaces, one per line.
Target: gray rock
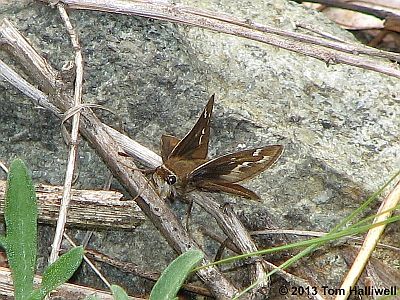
{"x":339,"y":124}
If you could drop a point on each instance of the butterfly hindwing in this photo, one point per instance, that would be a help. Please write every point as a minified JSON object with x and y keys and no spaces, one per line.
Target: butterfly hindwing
{"x":168,"y":143}
{"x":238,"y":166}
{"x":195,"y":144}
{"x":228,"y":187}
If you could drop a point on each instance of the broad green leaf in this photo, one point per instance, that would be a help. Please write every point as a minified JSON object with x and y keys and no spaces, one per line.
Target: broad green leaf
{"x":59,"y":272}
{"x":119,"y":293}
{"x":20,"y":214}
{"x":171,"y":280}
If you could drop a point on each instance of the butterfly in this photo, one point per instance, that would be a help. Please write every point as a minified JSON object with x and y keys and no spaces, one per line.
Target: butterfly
{"x":186,"y":165}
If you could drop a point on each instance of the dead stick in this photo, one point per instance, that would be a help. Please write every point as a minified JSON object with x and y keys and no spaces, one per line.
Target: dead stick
{"x":230,"y":25}
{"x":73,"y":147}
{"x":93,"y":130}
{"x":134,"y":269}
{"x":379,"y":13}
{"x":65,"y":291}
{"x":88,"y":208}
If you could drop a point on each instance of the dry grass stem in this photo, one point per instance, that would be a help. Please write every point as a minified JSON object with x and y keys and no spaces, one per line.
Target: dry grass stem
{"x":91,"y":265}
{"x":62,"y":218}
{"x":326,"y":50}
{"x":24,"y":86}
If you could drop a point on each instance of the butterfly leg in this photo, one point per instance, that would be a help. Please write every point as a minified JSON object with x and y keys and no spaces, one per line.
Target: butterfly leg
{"x":148,"y":183}
{"x":220,"y":252}
{"x":188,"y":214}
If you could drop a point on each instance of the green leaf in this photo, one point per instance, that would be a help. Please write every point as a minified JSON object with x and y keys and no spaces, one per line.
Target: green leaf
{"x":119,"y":293}
{"x":20,"y":214}
{"x":59,"y":272}
{"x":171,"y":280}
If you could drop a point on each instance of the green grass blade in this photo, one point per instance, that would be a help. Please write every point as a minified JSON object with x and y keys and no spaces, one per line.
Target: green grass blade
{"x":20,"y":215}
{"x":353,"y":229}
{"x":332,"y":235}
{"x":174,"y":275}
{"x":59,"y":272}
{"x":119,"y":293}
{"x":365,"y":204}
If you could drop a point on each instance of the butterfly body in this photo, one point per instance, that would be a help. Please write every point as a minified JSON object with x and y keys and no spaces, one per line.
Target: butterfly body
{"x":186,"y":165}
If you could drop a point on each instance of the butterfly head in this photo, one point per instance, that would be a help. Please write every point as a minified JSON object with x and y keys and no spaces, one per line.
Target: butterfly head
{"x":165,"y":180}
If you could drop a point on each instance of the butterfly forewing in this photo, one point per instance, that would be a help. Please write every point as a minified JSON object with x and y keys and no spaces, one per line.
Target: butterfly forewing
{"x":195,"y":144}
{"x":238,"y":166}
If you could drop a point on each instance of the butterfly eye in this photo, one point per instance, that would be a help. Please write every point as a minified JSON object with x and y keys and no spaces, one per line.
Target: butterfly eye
{"x":171,"y":179}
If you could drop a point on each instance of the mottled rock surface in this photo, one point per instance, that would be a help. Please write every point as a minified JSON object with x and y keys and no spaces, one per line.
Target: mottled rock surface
{"x":340,"y":125}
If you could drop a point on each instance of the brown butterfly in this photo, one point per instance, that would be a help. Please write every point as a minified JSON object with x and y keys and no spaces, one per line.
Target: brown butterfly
{"x":186,"y":166}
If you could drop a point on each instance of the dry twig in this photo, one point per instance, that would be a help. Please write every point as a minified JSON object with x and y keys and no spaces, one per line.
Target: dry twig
{"x":131,"y":268}
{"x":94,"y":131}
{"x":66,"y":291}
{"x":88,"y":208}
{"x":62,"y":217}
{"x":91,"y":265}
{"x":328,"y":51}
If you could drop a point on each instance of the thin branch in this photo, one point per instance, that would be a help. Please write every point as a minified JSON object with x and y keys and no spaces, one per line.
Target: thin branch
{"x":132,"y":268}
{"x":62,"y":217}
{"x":311,"y":46}
{"x":88,"y":208}
{"x":2,"y":165}
{"x":379,"y":13}
{"x":94,"y":131}
{"x":87,"y":260}
{"x":65,"y":291}
{"x":26,"y":88}
{"x":220,"y":239}
{"x":235,"y":231}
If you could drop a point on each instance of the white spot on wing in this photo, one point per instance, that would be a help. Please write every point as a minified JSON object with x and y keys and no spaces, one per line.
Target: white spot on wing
{"x":257,"y":152}
{"x":238,"y":168}
{"x":245,"y":164}
{"x":203,"y":132}
{"x":264,"y":159}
